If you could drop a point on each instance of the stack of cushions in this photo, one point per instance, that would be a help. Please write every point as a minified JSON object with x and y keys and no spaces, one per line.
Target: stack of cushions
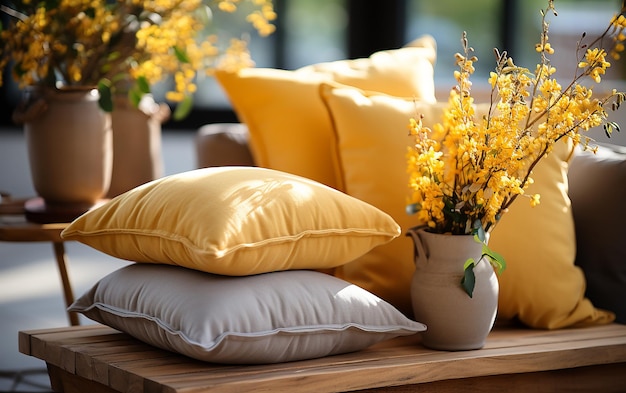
{"x":291,"y":129}
{"x":223,"y":252}
{"x":597,"y":200}
{"x":356,"y":141}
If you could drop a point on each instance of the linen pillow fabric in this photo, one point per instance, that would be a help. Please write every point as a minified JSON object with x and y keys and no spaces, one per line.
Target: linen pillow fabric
{"x":235,"y":221}
{"x":597,"y":200}
{"x":266,"y":318}
{"x":371,"y":144}
{"x":289,"y":127}
{"x":404,"y":72}
{"x":541,"y":285}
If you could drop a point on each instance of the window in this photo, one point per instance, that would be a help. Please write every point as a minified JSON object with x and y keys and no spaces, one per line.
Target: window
{"x":446,"y":20}
{"x":511,"y":25}
{"x":309,"y":31}
{"x":312,"y":31}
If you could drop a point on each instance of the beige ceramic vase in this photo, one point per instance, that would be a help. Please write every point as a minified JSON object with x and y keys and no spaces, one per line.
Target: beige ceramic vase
{"x":137,"y":152}
{"x":69,"y":144}
{"x":454,"y":320}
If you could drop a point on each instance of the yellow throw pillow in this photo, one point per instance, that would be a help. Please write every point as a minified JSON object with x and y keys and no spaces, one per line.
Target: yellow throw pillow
{"x":289,"y":127}
{"x":541,"y":285}
{"x":370,"y":151}
{"x":235,"y":221}
{"x":404,"y":72}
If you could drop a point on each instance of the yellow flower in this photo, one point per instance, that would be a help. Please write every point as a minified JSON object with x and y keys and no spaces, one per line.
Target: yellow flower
{"x":534,"y":200}
{"x":119,"y":43}
{"x":545,"y":48}
{"x":227,"y":5}
{"x":467,"y":170}
{"x":619,"y":21}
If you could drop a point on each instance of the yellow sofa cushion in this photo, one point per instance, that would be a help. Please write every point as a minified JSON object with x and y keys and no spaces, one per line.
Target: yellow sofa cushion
{"x":289,"y":127}
{"x":235,"y":221}
{"x":541,"y":286}
{"x":371,"y":143}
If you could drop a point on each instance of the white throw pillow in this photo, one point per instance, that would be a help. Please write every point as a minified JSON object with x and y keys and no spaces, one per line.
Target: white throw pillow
{"x":266,"y":318}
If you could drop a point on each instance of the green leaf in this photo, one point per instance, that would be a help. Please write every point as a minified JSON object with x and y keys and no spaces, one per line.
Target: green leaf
{"x":134,"y":96}
{"x":470,"y":261}
{"x":183,"y":108}
{"x":106,"y":67}
{"x":143,"y":85}
{"x":496,"y":260}
{"x":478,"y":230}
{"x":114,"y":55}
{"x":106,"y":97}
{"x":119,"y":76}
{"x":468,"y":282}
{"x":90,"y":12}
{"x":181,"y":55}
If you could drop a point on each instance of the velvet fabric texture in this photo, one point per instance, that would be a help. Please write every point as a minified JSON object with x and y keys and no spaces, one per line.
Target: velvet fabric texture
{"x":235,"y":221}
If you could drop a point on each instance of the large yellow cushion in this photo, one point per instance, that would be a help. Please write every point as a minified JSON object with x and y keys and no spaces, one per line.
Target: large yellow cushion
{"x":541,"y":285}
{"x":235,"y":221}
{"x":289,"y":127}
{"x":370,"y":151}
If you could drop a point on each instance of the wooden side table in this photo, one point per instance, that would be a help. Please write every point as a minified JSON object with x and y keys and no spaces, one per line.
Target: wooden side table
{"x":15,"y":228}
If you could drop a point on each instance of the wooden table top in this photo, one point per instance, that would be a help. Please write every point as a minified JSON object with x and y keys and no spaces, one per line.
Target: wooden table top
{"x":14,"y":227}
{"x":118,"y":362}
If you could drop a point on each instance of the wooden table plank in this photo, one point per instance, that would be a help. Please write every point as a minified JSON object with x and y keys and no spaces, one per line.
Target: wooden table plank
{"x":117,"y":361}
{"x":383,"y":372}
{"x":17,"y":229}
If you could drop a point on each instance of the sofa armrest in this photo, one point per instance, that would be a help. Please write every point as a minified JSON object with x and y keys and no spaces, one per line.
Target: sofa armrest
{"x":223,"y":144}
{"x":597,"y":189}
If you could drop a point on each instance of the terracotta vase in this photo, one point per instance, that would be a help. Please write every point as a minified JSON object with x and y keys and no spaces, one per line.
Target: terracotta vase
{"x":137,"y":152}
{"x":69,"y":142}
{"x":455,"y":321}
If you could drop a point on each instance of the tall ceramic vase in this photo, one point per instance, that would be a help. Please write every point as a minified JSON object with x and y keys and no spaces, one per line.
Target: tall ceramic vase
{"x":69,"y":144}
{"x":137,"y":153}
{"x":455,"y":321}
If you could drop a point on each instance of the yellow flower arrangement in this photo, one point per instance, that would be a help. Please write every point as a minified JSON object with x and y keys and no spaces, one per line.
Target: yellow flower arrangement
{"x":465,"y":172}
{"x":122,"y":45}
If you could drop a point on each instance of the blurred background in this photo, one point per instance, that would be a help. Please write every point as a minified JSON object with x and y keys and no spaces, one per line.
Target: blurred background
{"x":312,"y":31}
